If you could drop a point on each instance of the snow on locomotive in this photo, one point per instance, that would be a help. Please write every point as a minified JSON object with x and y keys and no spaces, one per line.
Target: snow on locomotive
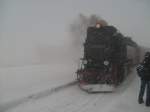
{"x":105,"y":63}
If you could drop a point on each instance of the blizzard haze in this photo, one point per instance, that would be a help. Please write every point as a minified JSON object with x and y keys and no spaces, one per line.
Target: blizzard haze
{"x":38,"y":51}
{"x":33,"y":31}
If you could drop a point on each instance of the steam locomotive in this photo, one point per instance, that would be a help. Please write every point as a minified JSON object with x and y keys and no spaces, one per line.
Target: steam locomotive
{"x":105,"y":63}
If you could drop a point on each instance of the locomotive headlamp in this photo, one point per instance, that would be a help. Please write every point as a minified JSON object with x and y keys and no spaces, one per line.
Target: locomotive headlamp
{"x":98,"y":25}
{"x":106,"y":63}
{"x":84,"y":61}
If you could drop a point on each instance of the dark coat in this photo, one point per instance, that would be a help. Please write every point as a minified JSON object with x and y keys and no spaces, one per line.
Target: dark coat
{"x":143,"y":72}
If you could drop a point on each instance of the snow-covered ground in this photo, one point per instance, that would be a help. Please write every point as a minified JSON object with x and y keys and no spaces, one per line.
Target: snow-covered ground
{"x":72,"y":99}
{"x":18,"y":82}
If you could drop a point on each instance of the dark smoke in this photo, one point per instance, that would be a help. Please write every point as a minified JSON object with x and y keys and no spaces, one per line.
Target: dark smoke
{"x":79,"y":27}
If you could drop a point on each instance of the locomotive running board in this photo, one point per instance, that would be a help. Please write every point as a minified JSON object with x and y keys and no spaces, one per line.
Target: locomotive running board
{"x":97,"y":88}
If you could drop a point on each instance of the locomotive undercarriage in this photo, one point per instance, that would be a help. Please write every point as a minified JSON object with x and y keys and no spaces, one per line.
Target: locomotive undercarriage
{"x":102,"y":79}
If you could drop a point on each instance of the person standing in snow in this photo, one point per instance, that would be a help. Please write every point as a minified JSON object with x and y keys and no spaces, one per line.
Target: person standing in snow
{"x":143,"y":71}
